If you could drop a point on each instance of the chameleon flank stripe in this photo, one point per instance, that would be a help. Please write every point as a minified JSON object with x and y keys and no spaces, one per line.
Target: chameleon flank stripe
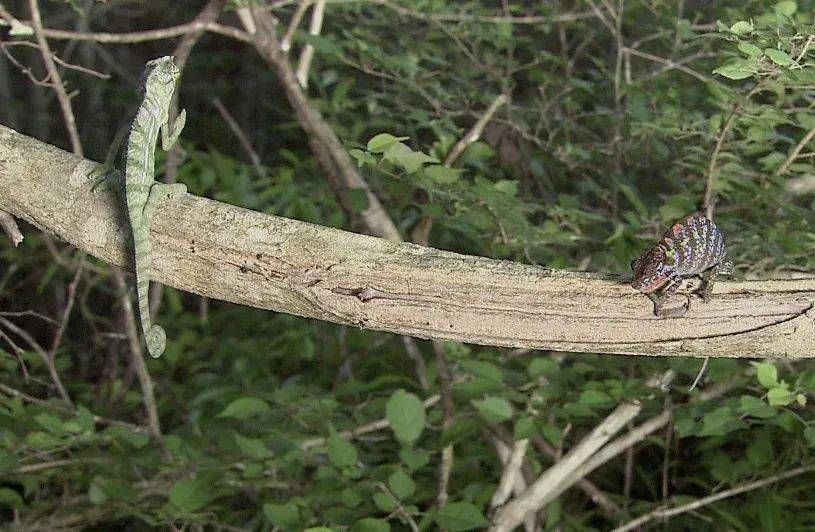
{"x":692,"y":246}
{"x":141,"y":192}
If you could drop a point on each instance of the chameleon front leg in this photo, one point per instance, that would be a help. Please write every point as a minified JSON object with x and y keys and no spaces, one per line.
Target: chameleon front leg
{"x":169,"y":138}
{"x":659,"y":298}
{"x":708,"y":276}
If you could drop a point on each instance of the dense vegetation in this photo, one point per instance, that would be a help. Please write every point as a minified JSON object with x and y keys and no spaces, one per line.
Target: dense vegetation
{"x":619,"y":118}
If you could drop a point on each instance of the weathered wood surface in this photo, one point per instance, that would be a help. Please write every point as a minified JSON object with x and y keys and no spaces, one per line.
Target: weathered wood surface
{"x":225,"y":252}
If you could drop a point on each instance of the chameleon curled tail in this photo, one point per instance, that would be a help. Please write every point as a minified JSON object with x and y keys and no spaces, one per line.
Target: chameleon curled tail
{"x":154,"y":335}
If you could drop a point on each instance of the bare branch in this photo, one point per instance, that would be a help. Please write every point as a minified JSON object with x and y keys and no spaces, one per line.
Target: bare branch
{"x":543,"y":490}
{"x":285,"y":42}
{"x":289,"y":266}
{"x":670,"y":512}
{"x":308,"y":50}
{"x":9,"y":225}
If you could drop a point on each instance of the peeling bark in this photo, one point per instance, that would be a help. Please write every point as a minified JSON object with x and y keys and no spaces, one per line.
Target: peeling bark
{"x":226,"y":252}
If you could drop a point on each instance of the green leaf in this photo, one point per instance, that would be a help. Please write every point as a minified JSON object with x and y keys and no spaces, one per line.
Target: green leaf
{"x":190,"y":494}
{"x":406,"y":416}
{"x":245,"y":407}
{"x":282,"y":515}
{"x":458,"y":516}
{"x":320,"y":43}
{"x":382,"y":142}
{"x":494,"y":409}
{"x":767,"y":374}
{"x":809,"y":436}
{"x":524,"y":428}
{"x":442,"y":174}
{"x":750,"y":49}
{"x":385,"y":501}
{"x":357,"y":198}
{"x":252,"y":447}
{"x":741,"y":27}
{"x":720,"y":422}
{"x":738,"y":68}
{"x":401,"y":484}
{"x":341,"y":452}
{"x":541,"y":366}
{"x":363,"y":157}
{"x":553,"y":434}
{"x":9,"y":497}
{"x":780,"y":396}
{"x":753,"y":406}
{"x":788,"y":8}
{"x":408,"y":159}
{"x":483,"y":369}
{"x":414,"y":458}
{"x":595,"y":398}
{"x":371,"y":524}
{"x":50,"y":422}
{"x":778,"y":57}
{"x":111,"y":488}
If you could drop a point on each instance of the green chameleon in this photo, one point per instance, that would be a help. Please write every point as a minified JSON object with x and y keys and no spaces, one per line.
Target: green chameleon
{"x":141,"y":191}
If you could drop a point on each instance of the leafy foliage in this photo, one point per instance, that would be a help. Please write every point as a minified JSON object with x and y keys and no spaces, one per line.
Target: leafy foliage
{"x":276,"y":421}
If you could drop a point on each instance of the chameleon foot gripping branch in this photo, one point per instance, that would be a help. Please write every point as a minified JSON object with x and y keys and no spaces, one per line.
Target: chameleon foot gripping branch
{"x":692,"y":246}
{"x":141,"y":192}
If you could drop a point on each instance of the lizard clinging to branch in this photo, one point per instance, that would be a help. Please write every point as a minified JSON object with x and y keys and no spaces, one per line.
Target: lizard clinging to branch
{"x":141,"y":191}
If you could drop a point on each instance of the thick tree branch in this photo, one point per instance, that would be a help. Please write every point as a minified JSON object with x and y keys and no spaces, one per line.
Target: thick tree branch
{"x":225,"y":252}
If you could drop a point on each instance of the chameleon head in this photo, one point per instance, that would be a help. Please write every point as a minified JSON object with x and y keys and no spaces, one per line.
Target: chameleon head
{"x":651,"y":270}
{"x":160,"y":74}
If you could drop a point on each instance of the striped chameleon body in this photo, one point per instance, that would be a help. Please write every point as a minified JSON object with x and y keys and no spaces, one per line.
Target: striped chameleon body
{"x":141,"y":192}
{"x":692,"y":246}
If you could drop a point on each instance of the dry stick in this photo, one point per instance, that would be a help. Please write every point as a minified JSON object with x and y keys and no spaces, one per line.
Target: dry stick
{"x":543,"y":490}
{"x":137,"y":360}
{"x":794,"y":153}
{"x":285,"y":42}
{"x":149,"y":35}
{"x":52,"y":370}
{"x":512,"y":471}
{"x":518,"y":485}
{"x":9,"y":225}
{"x":56,"y":79}
{"x":52,"y":353}
{"x":475,"y":132}
{"x":608,"y":507}
{"x":670,"y":512}
{"x":246,"y":144}
{"x":307,"y":53}
{"x":669,"y":63}
{"x":364,"y":429}
{"x":449,"y":409}
{"x":285,"y":265}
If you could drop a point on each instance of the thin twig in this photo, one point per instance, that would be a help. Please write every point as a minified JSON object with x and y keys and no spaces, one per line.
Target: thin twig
{"x":55,"y":78}
{"x":496,"y":19}
{"x":308,"y":50}
{"x":149,"y":35}
{"x":794,"y":153}
{"x":242,"y":137}
{"x":137,"y":361}
{"x":9,"y":225}
{"x":475,"y":132}
{"x":52,"y":370}
{"x":363,"y":429}
{"x":519,"y":482}
{"x":449,"y":412}
{"x":543,"y":490}
{"x":511,"y":472}
{"x":710,"y":499}
{"x":285,"y":42}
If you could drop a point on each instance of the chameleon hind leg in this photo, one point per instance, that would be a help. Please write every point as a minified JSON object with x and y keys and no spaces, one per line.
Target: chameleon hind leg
{"x":708,"y":276}
{"x":659,"y":299}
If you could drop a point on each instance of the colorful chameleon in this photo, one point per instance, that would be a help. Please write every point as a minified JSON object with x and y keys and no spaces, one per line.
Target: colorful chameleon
{"x":692,"y":246}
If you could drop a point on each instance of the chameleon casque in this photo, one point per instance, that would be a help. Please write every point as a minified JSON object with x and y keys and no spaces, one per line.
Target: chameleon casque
{"x":692,"y":246}
{"x":141,"y":191}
